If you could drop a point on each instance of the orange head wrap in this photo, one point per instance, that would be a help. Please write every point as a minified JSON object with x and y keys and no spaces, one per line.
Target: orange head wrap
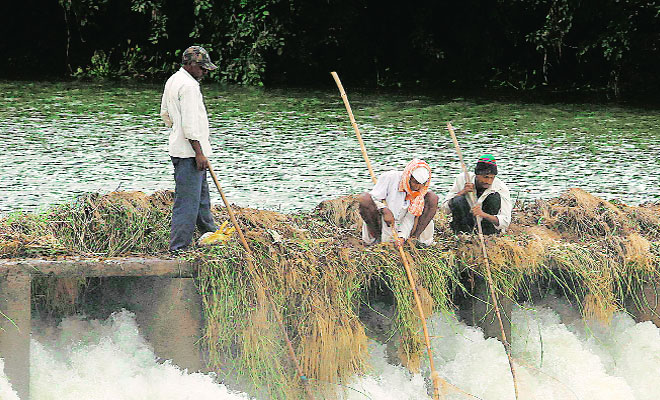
{"x":417,"y":198}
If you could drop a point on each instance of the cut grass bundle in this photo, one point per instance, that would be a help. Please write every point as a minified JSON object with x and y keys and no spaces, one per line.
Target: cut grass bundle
{"x":601,"y":256}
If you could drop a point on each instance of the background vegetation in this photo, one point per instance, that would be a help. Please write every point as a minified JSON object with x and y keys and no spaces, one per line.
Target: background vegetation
{"x":572,"y":45}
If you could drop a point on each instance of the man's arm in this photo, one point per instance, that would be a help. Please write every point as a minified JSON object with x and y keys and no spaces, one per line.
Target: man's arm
{"x":430,"y":208}
{"x":191,"y":102}
{"x":379,"y":194}
{"x":457,"y":187}
{"x":200,"y":158}
{"x":503,"y":218}
{"x":478,"y":212}
{"x":190,"y":99}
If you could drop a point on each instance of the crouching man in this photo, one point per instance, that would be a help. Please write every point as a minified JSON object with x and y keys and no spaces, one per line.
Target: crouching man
{"x":493,"y":200}
{"x":409,"y":205}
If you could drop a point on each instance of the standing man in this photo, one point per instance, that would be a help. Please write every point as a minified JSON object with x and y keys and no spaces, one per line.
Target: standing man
{"x":410,"y":206}
{"x":182,"y":109}
{"x":493,"y":200}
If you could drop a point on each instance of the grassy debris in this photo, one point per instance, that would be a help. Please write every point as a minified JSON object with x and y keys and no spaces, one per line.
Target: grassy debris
{"x":600,"y":255}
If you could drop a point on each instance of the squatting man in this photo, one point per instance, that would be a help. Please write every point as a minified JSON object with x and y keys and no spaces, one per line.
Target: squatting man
{"x":493,"y":202}
{"x":401,"y":199}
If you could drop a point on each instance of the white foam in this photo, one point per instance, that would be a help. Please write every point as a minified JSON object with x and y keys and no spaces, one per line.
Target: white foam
{"x":557,"y":364}
{"x":385,"y":381}
{"x":557,"y":356}
{"x":110,"y":360}
{"x":6,"y":392}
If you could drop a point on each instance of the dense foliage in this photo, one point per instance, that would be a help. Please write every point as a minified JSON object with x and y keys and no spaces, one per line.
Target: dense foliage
{"x":520,"y":44}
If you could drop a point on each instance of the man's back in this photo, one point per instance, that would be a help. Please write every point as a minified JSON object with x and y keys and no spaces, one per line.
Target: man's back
{"x":182,"y":109}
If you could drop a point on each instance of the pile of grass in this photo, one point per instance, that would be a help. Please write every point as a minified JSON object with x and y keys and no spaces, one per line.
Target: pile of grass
{"x":598,"y":254}
{"x":93,"y":225}
{"x":117,"y":223}
{"x":314,"y":269}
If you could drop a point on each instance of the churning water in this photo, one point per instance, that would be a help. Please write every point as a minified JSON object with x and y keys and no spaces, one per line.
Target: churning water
{"x":289,"y":150}
{"x":558,"y":357}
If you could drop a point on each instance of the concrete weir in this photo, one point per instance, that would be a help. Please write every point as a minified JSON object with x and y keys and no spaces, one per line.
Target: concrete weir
{"x":161,"y":293}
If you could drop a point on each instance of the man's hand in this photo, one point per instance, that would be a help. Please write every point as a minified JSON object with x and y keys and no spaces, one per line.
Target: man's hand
{"x":478,"y":212}
{"x":469,"y":187}
{"x":388,"y":217}
{"x":200,"y":159}
{"x":412,"y":241}
{"x":202,"y":162}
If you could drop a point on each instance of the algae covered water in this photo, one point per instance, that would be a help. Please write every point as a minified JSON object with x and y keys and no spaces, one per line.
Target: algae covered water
{"x":558,"y":356}
{"x":289,"y":150}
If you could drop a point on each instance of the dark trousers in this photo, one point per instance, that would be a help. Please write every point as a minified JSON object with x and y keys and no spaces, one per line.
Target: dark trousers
{"x":192,"y":204}
{"x":463,"y":220}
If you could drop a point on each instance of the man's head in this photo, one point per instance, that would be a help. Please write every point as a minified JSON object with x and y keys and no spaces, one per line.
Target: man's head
{"x":485,"y":171}
{"x":418,"y":178}
{"x":197,"y":62}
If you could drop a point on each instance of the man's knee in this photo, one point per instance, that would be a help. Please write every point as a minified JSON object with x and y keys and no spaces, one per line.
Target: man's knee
{"x":431,"y":200}
{"x":459,"y":203}
{"x":366,"y":203}
{"x":492,"y":204}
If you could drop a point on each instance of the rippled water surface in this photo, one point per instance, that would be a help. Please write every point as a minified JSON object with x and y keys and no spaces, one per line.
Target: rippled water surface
{"x":290,"y":149}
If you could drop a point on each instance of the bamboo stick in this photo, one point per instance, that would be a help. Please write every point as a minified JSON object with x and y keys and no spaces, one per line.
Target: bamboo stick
{"x":439,"y":384}
{"x":489,"y":277}
{"x":355,"y":127}
{"x":435,"y":377}
{"x":253,"y":271}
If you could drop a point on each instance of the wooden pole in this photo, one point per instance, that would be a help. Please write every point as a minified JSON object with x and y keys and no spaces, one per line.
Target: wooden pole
{"x":489,"y":276}
{"x":439,"y":384}
{"x":435,"y":377}
{"x":253,"y":271}
{"x":355,"y":127}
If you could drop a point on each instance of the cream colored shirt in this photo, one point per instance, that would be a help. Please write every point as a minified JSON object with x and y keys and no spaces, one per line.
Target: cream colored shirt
{"x":387,"y":188}
{"x":182,"y":109}
{"x":504,"y":216}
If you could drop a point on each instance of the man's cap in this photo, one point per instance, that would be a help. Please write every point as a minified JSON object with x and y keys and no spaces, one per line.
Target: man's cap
{"x":486,"y":164}
{"x":198,"y":55}
{"x":421,"y":175}
{"x":488,"y":159}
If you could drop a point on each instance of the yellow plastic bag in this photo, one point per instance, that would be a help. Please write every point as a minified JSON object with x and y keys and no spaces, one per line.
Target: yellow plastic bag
{"x":220,"y":236}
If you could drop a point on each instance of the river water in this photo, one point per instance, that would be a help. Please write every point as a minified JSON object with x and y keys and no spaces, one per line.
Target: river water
{"x":290,"y":149}
{"x":558,"y":356}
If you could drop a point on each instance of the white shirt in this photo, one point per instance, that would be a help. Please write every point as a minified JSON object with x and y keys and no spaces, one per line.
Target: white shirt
{"x":387,"y":188}
{"x":504,"y":216}
{"x":182,"y":109}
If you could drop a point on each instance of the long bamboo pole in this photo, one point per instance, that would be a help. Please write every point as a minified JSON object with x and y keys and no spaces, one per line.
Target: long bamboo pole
{"x":439,"y":384}
{"x":489,"y":277}
{"x":254,"y":273}
{"x":355,"y":127}
{"x":435,"y":377}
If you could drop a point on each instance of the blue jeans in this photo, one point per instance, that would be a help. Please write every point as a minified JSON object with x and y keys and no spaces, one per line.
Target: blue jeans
{"x":192,"y":204}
